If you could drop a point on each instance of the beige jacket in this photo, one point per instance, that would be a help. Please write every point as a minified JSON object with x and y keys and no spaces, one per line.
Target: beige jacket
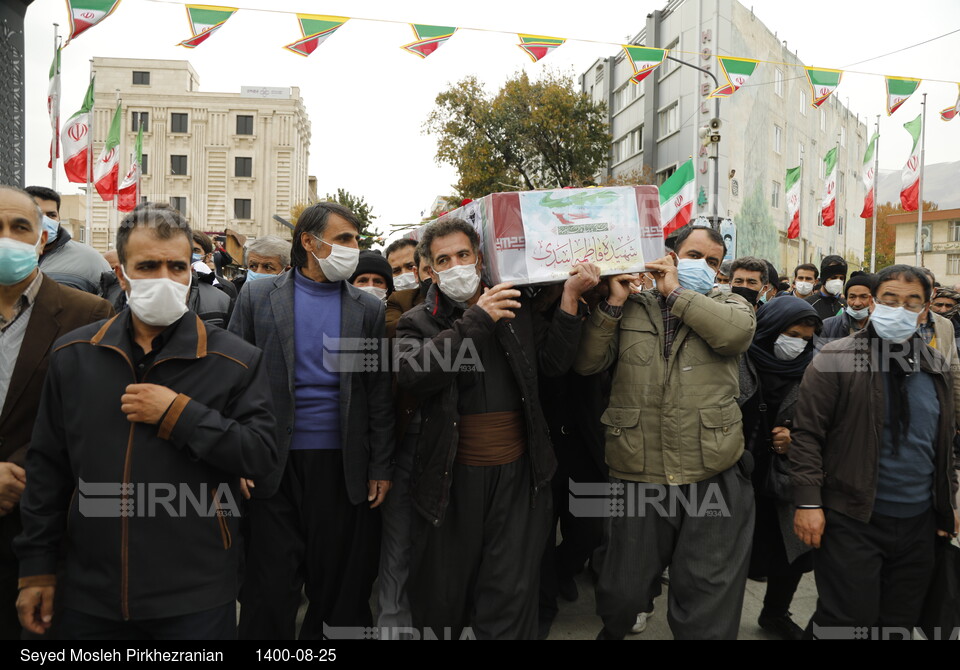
{"x":671,"y":421}
{"x":945,"y":342}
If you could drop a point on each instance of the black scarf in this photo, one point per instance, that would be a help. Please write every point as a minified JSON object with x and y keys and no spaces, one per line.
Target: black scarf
{"x":776,"y":376}
{"x":897,"y":361}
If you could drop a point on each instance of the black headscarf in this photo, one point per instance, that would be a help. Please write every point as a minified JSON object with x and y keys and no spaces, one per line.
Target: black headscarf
{"x":772,"y":319}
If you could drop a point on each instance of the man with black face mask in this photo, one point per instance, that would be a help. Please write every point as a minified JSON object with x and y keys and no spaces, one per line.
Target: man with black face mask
{"x":750,"y":279}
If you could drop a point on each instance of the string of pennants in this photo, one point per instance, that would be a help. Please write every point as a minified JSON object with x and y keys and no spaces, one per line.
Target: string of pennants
{"x":315,"y":29}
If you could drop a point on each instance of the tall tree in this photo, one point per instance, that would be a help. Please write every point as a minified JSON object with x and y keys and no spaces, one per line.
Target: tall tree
{"x":529,"y":135}
{"x":356,"y":204}
{"x":887,"y":233}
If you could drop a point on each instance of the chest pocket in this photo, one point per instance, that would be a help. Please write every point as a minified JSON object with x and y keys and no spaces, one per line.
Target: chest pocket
{"x":639,"y":340}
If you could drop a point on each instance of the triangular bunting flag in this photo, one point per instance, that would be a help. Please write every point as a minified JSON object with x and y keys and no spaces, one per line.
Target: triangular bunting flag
{"x":898,"y":90}
{"x":951,"y":112}
{"x":869,"y":178}
{"x":828,"y":207}
{"x":75,"y":138}
{"x":910,"y":176}
{"x":316,"y":29}
{"x":737,"y":71}
{"x":823,"y":82}
{"x":106,"y":171}
{"x":129,"y":191}
{"x":429,"y":38}
{"x":85,"y":14}
{"x":677,"y":196}
{"x":204,"y":21}
{"x":538,"y":46}
{"x":793,"y":202}
{"x":644,"y":60}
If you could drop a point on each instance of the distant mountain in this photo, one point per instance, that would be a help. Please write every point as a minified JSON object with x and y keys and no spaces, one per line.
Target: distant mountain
{"x":941,"y":184}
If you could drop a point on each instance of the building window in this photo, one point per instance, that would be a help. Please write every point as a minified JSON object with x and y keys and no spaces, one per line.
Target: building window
{"x":241,"y":208}
{"x":778,"y":139}
{"x":178,"y":165}
{"x":839,"y":224}
{"x":775,"y":195}
{"x":839,"y":182}
{"x":244,"y":124}
{"x":954,"y":231}
{"x":243,"y":166}
{"x":618,"y":99}
{"x":823,"y":119}
{"x":144,"y":162}
{"x":953,"y":264}
{"x":669,"y":120}
{"x":803,"y":103}
{"x":668,"y":65}
{"x":778,"y":82}
{"x":141,"y":78}
{"x":178,"y":122}
{"x":179,"y":203}
{"x":138,"y":118}
{"x":636,"y":138}
{"x":143,"y":200}
{"x":665,"y":175}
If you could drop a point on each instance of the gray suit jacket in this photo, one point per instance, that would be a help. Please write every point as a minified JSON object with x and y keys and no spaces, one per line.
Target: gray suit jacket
{"x":263,"y":316}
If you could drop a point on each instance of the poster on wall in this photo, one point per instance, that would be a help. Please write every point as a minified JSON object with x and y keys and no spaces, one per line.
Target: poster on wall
{"x":728,"y":230}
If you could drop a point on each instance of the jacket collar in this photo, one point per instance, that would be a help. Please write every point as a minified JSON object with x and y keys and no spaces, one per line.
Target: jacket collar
{"x":187,"y":340}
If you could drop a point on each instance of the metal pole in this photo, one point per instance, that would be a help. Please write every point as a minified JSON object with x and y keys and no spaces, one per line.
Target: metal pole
{"x":836,"y":200}
{"x":92,"y":125}
{"x":800,"y":242}
{"x":55,"y":111}
{"x":876,"y":203}
{"x":923,"y":139}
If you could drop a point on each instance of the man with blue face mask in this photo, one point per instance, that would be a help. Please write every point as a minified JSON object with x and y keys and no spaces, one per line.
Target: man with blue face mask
{"x":673,"y":428}
{"x":63,"y":259}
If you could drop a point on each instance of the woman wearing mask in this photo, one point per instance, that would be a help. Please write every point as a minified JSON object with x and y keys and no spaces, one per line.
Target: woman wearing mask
{"x":770,"y":375}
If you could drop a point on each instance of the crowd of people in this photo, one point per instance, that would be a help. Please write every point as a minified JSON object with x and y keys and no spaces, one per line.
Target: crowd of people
{"x":333,"y":421}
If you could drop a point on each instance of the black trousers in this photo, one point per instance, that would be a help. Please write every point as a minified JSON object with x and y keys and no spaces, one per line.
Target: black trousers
{"x":872,"y":574}
{"x":481,"y":567}
{"x":9,"y":567}
{"x":308,"y":536}
{"x":219,"y":623}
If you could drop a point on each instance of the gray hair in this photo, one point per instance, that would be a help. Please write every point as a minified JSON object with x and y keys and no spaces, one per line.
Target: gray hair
{"x":270,"y":246}
{"x":29,"y":197}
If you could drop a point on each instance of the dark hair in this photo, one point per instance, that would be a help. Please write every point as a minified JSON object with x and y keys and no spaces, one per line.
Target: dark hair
{"x":44,"y":193}
{"x":442,"y":228}
{"x":416,"y":256}
{"x":313,"y":220}
{"x":751,"y":264}
{"x":773,"y":275}
{"x":397,"y":245}
{"x":204,"y":241}
{"x":164,"y":220}
{"x":29,"y":197}
{"x":809,"y":267}
{"x":904,"y":273}
{"x":688,"y":230}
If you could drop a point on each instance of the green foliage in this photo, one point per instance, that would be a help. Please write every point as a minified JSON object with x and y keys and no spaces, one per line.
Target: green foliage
{"x":756,"y":232}
{"x":531,"y":135}
{"x":356,"y":204}
{"x":887,"y":233}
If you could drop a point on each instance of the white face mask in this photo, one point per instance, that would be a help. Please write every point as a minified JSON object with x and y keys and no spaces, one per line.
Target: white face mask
{"x":405,"y":282}
{"x":156,"y":302}
{"x":803,"y":287}
{"x":786,"y":348}
{"x":724,"y":288}
{"x":340,"y":264}
{"x":858,"y":314}
{"x":375,"y":291}
{"x":460,"y":282}
{"x":834,"y":286}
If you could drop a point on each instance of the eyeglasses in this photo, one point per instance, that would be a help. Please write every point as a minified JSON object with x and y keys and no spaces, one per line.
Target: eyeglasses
{"x":915,"y":306}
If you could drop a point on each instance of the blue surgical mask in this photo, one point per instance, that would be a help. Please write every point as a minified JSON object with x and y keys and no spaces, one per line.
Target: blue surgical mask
{"x":196,"y":258}
{"x":52,"y":227}
{"x":254,"y":276}
{"x":696,"y":275}
{"x":894,"y":324}
{"x":17,"y":260}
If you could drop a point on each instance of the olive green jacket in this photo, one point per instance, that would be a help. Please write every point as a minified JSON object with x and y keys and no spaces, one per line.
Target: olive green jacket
{"x":676,"y":420}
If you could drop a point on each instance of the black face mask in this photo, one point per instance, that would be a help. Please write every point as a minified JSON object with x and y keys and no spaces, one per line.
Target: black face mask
{"x":425,"y":285}
{"x":747,"y":294}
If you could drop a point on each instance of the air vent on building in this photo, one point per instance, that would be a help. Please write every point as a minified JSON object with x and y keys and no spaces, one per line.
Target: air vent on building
{"x":735,"y":188}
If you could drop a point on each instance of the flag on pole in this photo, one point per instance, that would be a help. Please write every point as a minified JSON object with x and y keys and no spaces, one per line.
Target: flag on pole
{"x":793,"y":202}
{"x":910,"y":176}
{"x":85,"y":14}
{"x":737,"y":71}
{"x":429,"y":38}
{"x":106,"y":171}
{"x":828,"y":207}
{"x":644,"y":60}
{"x":53,"y":107}
{"x":316,"y":29}
{"x":869,"y":178}
{"x":677,"y":196}
{"x":204,"y":21}
{"x":950,"y":112}
{"x":898,"y":90}
{"x":538,"y":46}
{"x":75,"y":140}
{"x":823,"y":82}
{"x":129,"y":191}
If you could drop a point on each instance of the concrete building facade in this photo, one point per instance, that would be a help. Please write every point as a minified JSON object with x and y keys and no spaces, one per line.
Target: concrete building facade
{"x":769,"y":125}
{"x":939,"y":242}
{"x":226,"y":160}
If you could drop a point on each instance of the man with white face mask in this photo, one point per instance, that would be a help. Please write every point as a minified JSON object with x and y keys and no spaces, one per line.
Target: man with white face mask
{"x":314,"y":523}
{"x":169,"y":408}
{"x":472,"y":355}
{"x":373,"y":275}
{"x":828,"y":301}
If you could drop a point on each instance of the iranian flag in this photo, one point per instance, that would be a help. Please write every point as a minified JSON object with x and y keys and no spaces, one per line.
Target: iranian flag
{"x":898,"y":90}
{"x":910,"y":177}
{"x":75,"y":138}
{"x":644,"y":60}
{"x":53,"y":108}
{"x":793,"y":202}
{"x":316,"y":29}
{"x":869,"y":178}
{"x":129,"y":192}
{"x":828,"y":207}
{"x":950,"y":112}
{"x":85,"y":14}
{"x":429,"y":38}
{"x":204,"y":21}
{"x":676,"y":198}
{"x":737,"y":71}
{"x":538,"y":46}
{"x":823,"y":82}
{"x":106,"y":171}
